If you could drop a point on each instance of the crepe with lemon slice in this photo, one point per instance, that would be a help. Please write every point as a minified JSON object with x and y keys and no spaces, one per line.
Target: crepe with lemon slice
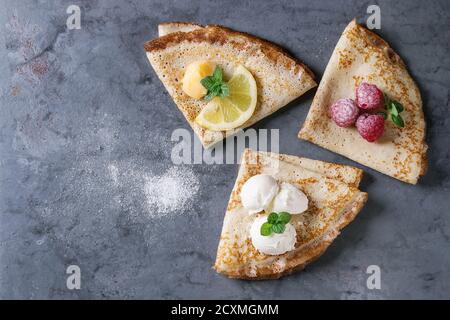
{"x":362,"y":56}
{"x":334,"y":201}
{"x":278,"y":78}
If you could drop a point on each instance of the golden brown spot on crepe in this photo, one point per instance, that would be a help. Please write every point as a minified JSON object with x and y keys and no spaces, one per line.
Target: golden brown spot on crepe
{"x":346,"y":59}
{"x":331,"y":186}
{"x":358,"y":80}
{"x":303,"y":182}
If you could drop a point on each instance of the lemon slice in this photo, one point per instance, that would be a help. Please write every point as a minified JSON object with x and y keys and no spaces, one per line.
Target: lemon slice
{"x":226,"y":113}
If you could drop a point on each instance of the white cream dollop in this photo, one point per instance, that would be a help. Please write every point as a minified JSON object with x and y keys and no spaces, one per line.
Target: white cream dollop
{"x":274,"y":244}
{"x":289,"y":199}
{"x":258,"y":192}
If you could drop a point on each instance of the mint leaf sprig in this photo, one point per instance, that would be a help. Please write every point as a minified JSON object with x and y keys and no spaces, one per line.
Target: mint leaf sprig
{"x":215,"y":85}
{"x":276,"y":223}
{"x":393,"y":109}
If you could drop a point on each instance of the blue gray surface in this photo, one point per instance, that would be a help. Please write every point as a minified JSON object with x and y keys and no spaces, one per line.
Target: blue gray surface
{"x":85,"y":124}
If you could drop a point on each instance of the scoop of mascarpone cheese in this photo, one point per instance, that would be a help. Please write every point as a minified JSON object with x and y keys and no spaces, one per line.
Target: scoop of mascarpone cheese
{"x":274,"y":244}
{"x":289,"y":199}
{"x":258,"y":192}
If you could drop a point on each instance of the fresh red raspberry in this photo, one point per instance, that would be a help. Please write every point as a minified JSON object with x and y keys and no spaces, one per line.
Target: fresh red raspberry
{"x":369,"y":97}
{"x":344,"y":112}
{"x":370,"y":126}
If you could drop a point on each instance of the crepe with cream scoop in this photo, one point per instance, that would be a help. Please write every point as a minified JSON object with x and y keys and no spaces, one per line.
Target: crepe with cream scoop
{"x":334,"y":201}
{"x":362,"y":56}
{"x":279,"y":77}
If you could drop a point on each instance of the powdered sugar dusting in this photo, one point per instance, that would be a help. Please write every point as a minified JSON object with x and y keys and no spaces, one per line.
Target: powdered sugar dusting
{"x":171,"y":192}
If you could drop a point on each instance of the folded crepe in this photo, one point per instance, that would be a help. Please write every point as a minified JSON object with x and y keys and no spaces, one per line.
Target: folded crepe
{"x":362,"y":56}
{"x":279,"y":77}
{"x":334,"y":201}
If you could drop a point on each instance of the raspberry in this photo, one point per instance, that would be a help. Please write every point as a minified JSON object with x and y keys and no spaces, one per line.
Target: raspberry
{"x":369,"y":97}
{"x":370,"y":126}
{"x":344,"y":112}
